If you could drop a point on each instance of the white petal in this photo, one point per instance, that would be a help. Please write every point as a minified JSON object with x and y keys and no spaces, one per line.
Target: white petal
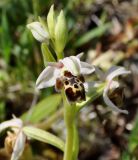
{"x":80,"y":55}
{"x":38,"y":31}
{"x":100,"y":73}
{"x":16,"y":122}
{"x":18,"y":146}
{"x":116,"y":71}
{"x":113,"y":85}
{"x":110,"y":103}
{"x":47,"y":77}
{"x":72,"y":64}
{"x":86,"y":68}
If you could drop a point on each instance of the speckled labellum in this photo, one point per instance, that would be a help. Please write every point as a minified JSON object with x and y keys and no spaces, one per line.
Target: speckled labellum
{"x":73,"y":86}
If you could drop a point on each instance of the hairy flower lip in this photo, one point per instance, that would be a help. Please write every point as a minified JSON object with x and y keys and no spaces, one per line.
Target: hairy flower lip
{"x":55,"y":70}
{"x":108,"y":77}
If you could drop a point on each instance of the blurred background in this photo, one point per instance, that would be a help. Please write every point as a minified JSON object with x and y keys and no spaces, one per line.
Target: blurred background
{"x":107,"y":32}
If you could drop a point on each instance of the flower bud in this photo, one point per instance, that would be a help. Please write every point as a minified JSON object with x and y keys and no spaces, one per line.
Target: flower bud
{"x":38,"y":31}
{"x":51,"y":22}
{"x":60,"y":34}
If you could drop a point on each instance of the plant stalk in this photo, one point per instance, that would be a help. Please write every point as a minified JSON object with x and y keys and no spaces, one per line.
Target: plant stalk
{"x":75,"y":142}
{"x":69,"y":118}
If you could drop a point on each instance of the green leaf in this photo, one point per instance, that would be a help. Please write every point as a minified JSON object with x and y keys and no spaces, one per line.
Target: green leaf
{"x":43,"y":109}
{"x":97,"y":32}
{"x":44,"y":136}
{"x":47,"y":55}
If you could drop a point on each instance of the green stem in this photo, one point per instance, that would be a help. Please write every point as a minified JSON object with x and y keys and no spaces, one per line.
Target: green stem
{"x":69,"y":144}
{"x":75,"y":142}
{"x":69,"y":118}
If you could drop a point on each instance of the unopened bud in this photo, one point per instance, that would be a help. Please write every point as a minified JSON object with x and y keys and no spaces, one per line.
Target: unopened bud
{"x":51,"y":22}
{"x":60,"y":34}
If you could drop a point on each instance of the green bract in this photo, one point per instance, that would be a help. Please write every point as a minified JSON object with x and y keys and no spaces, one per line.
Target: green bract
{"x":47,"y":55}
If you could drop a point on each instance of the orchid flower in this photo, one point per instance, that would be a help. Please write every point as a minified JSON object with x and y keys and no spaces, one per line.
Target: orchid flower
{"x":15,"y":140}
{"x":38,"y":31}
{"x":111,"y":84}
{"x":55,"y":70}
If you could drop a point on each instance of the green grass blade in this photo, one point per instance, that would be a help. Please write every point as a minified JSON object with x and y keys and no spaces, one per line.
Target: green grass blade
{"x":94,"y":33}
{"x":5,"y":38}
